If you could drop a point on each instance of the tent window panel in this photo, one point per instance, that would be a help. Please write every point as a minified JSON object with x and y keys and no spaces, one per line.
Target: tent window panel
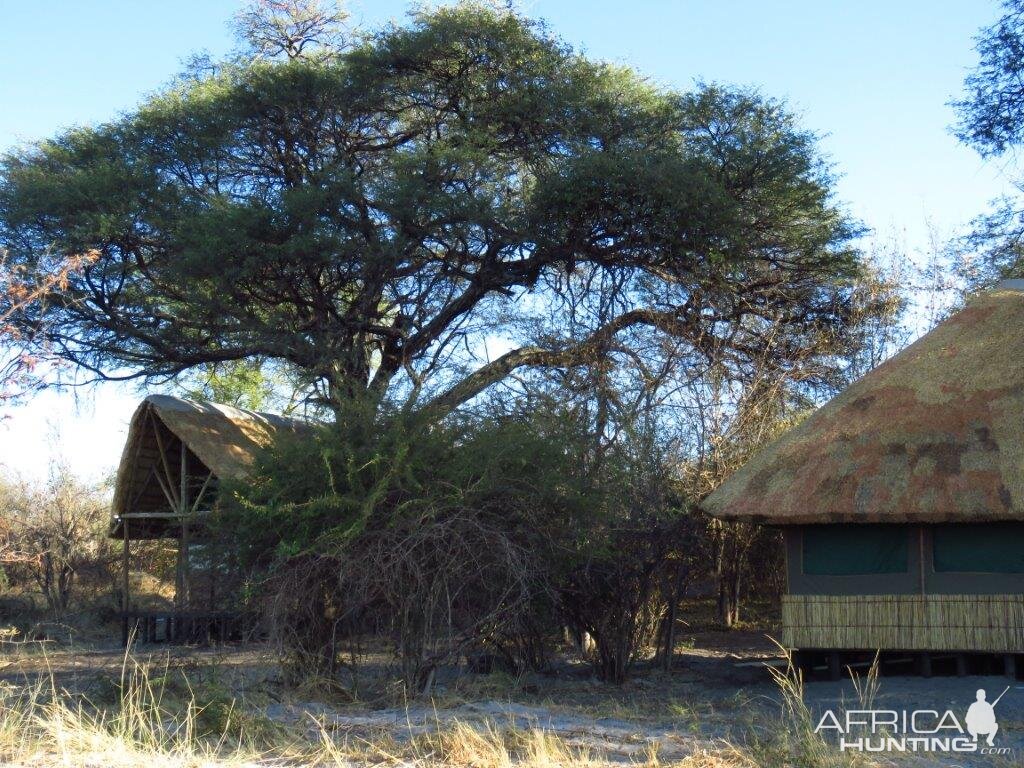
{"x":851,"y":550}
{"x":978,"y":548}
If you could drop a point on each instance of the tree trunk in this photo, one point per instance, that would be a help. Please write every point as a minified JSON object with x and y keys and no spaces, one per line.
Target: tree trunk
{"x":725,"y":614}
{"x":734,"y":590}
{"x":667,"y":636}
{"x":668,"y":651}
{"x":721,"y":577}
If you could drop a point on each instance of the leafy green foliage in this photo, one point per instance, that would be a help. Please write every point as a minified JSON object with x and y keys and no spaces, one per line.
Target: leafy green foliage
{"x":448,"y":538}
{"x":368,"y":217}
{"x":992,"y":122}
{"x":312,"y":496}
{"x":241,"y":383}
{"x":992,"y":111}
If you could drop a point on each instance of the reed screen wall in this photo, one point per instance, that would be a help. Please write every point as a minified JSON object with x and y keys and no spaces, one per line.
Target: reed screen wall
{"x":905,"y":622}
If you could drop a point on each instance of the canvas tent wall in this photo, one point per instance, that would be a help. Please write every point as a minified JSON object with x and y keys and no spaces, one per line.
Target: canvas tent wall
{"x":902,"y":499}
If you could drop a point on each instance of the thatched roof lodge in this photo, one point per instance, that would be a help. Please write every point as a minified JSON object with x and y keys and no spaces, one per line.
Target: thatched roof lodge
{"x":175,"y":444}
{"x":176,"y":454}
{"x":902,"y":499}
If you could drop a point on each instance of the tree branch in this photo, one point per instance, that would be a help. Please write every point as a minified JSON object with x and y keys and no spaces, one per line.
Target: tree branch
{"x":676,"y":322}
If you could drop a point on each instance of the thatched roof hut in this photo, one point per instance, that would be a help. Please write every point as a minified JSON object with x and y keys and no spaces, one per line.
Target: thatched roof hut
{"x":176,"y":454}
{"x":933,"y":435}
{"x":175,"y":444}
{"x":901,"y":501}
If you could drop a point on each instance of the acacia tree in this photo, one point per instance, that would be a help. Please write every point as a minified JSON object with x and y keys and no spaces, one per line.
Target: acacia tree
{"x":368,"y":217}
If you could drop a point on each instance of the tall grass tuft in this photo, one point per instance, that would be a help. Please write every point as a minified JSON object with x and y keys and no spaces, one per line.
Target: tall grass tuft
{"x":795,"y":741}
{"x":41,"y":725}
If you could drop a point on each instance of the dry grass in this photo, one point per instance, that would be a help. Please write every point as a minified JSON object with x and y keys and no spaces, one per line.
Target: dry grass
{"x":482,"y":745}
{"x":151,"y":719}
{"x":41,"y":726}
{"x":795,"y":742}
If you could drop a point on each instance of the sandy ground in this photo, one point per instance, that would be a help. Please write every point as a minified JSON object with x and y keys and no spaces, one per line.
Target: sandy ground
{"x":955,"y":694}
{"x":719,"y":691}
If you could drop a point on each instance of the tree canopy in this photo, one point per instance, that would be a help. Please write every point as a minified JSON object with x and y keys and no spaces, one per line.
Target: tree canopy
{"x":371,"y":215}
{"x":992,"y":122}
{"x":992,"y":110}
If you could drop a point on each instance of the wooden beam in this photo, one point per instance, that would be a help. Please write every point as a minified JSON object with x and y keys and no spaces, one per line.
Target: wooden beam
{"x":186,"y":576}
{"x":183,"y":478}
{"x":202,"y":490}
{"x":175,"y":504}
{"x":178,"y":571}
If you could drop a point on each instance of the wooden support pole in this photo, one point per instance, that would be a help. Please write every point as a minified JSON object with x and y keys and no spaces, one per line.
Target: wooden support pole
{"x":169,"y":488}
{"x":172,"y":515}
{"x":125,"y":599}
{"x":202,"y":490}
{"x":183,"y":479}
{"x":924,"y":664}
{"x":186,"y":578}
{"x":961,"y":664}
{"x":171,"y":500}
{"x":920,"y":559}
{"x":1010,"y":666}
{"x":834,"y":667}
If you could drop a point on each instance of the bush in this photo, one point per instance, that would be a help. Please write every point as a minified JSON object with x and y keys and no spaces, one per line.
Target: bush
{"x":616,"y":582}
{"x":467,"y":539}
{"x":422,"y":536}
{"x":55,"y":538}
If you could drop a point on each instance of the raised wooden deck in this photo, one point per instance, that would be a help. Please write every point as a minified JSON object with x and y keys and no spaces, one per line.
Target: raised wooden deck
{"x":187,"y":627}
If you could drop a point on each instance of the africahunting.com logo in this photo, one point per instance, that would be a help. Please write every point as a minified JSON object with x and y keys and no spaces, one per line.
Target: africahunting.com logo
{"x":917,"y":730}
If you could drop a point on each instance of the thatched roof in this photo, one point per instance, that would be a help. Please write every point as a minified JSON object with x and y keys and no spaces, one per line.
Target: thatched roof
{"x":217,"y":440}
{"x":936,"y":434}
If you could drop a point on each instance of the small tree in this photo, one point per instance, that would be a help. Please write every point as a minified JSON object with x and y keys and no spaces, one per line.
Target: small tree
{"x":616,"y":579}
{"x":56,"y":530}
{"x":425,"y":538}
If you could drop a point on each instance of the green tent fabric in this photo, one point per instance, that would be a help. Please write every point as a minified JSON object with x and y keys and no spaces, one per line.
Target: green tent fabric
{"x":979,"y":548}
{"x":848,"y":550}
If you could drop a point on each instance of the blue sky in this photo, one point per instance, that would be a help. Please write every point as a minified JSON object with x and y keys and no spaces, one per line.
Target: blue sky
{"x":874,"y":78}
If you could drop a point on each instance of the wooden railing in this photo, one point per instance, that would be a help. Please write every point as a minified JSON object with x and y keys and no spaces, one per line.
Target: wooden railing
{"x":187,"y":627}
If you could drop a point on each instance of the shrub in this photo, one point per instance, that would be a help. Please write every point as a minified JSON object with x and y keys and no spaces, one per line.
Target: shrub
{"x":472,"y":538}
{"x":55,"y":537}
